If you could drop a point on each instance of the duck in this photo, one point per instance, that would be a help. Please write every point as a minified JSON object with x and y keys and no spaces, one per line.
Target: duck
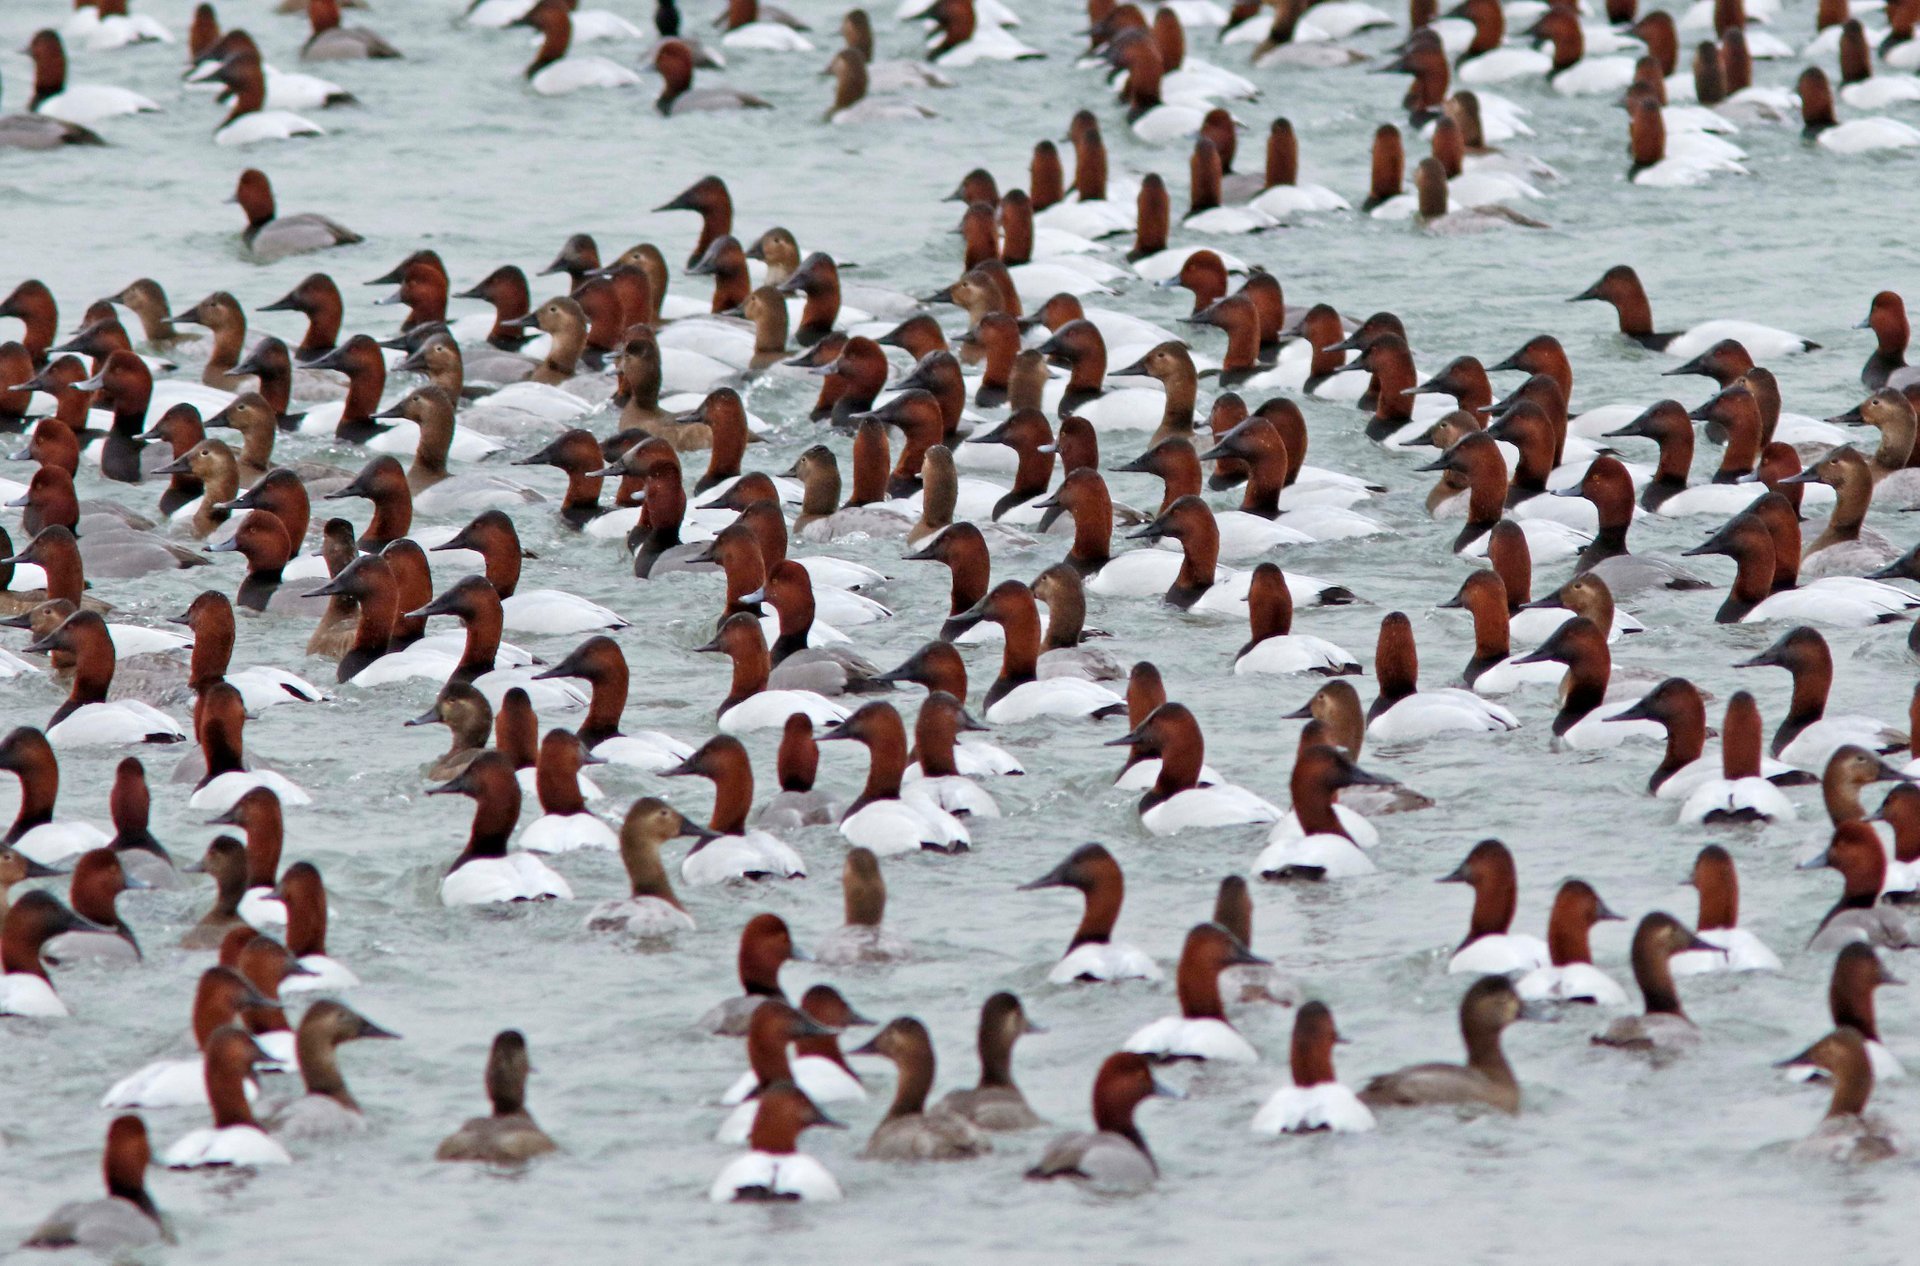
{"x":77,"y":104}
{"x":1283,"y":194}
{"x":1486,"y":1080}
{"x":1872,"y":134}
{"x":555,"y":69}
{"x":235,"y":1139}
{"x":1757,"y":593}
{"x":304,"y":894}
{"x":1092,"y":954}
{"x":1745,"y":791}
{"x":1403,"y":712}
{"x":601,"y":663}
{"x":728,"y":850}
{"x":477,"y":605}
{"x":1200,"y":1031}
{"x":1274,"y":647}
{"x":87,"y":718}
{"x":1491,"y":946}
{"x":1857,"y":973}
{"x":996,"y":1104}
{"x":1843,"y":547}
{"x":508,"y":1135}
{"x":652,"y":913}
{"x":1113,"y":1157}
{"x":960,"y":39}
{"x":1887,"y":318}
{"x":565,"y":823}
{"x":36,"y":834}
{"x":485,"y":872}
{"x":258,"y":813}
{"x":856,"y":29}
{"x":822,"y":518}
{"x":1807,"y":737}
{"x":909,"y":1131}
{"x":852,"y":105}
{"x":1021,"y":692}
{"x":887,"y":817}
{"x":1734,"y":948}
{"x":766,"y":944}
{"x":1588,"y":719}
{"x":1177,"y":800}
{"x":327,"y":1109}
{"x":750,"y":704}
{"x":1661,"y":161}
{"x":545,"y":612}
{"x":332,"y":42}
{"x":1494,"y":670}
{"x":1318,"y":839}
{"x":31,"y":922}
{"x":1315,"y":1101}
{"x":1857,"y":852}
{"x":225,"y":859}
{"x":673,"y":60}
{"x":773,"y":1170}
{"x":1846,"y":1134}
{"x":98,"y":881}
{"x":250,"y":122}
{"x":269,"y":237}
{"x":210,"y":617}
{"x":818,"y":1068}
{"x":1620,"y":286}
{"x":1663,"y":1028}
{"x":220,"y":719}
{"x":219,"y":997}
{"x":1569,"y":974}
{"x":126,"y":1218}
{"x":935,"y":771}
{"x":1668,"y":423}
{"x":796,"y":764}
{"x":863,"y":938}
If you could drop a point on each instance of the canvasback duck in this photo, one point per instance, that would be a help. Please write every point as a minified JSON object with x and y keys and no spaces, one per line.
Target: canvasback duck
{"x":126,"y":1218}
{"x":235,"y":1139}
{"x":328,"y":1109}
{"x":909,"y":1131}
{"x":98,"y":881}
{"x":1274,"y":647}
{"x":1485,"y":1080}
{"x":887,"y":817}
{"x":565,"y":822}
{"x":220,"y":717}
{"x":485,"y":872}
{"x":1887,"y":318}
{"x":39,"y":132}
{"x":1857,"y":973}
{"x":1569,"y":974}
{"x":765,"y":945}
{"x":1745,"y":791}
{"x":218,"y":1000}
{"x":1491,"y":946}
{"x":1283,"y":194}
{"x":1807,"y":737}
{"x":774,"y":1170}
{"x":225,"y":860}
{"x":750,"y":704}
{"x":1317,"y":839}
{"x":652,"y":912}
{"x":1609,"y":486}
{"x":105,"y":24}
{"x":1114,"y":1156}
{"x":1668,"y":424}
{"x":1200,"y":1031}
{"x":1872,"y":134}
{"x":1620,"y":286}
{"x":673,"y":60}
{"x":1860,"y":856}
{"x":35,"y":834}
{"x":1666,"y":160}
{"x":538,"y":611}
{"x":1403,"y":712}
{"x":1843,"y":547}
{"x":856,"y":30}
{"x":269,"y":236}
{"x":796,"y":765}
{"x":1242,"y":533}
{"x":1475,"y":458}
{"x":1177,"y":800}
{"x":961,"y":39}
{"x":1233,"y":910}
{"x":210,"y":617}
{"x":31,"y":922}
{"x":817,"y":1067}
{"x":509,"y":1135}
{"x":556,"y":70}
{"x":304,"y":894}
{"x":1493,"y":670}
{"x":477,"y":605}
{"x":941,"y":733}
{"x":258,"y":814}
{"x":935,"y":769}
{"x":863,"y":938}
{"x":601,"y":663}
{"x":728,"y":850}
{"x":250,"y":122}
{"x":1440,"y":207}
{"x":54,"y":97}
{"x":332,"y":41}
{"x":1093,"y":954}
{"x":1588,"y":718}
{"x":996,"y":1104}
{"x":1847,"y":1134}
{"x":1663,"y":1028}
{"x":851,"y":104}
{"x":1314,"y":1100}
{"x":1734,"y":947}
{"x":87,"y":718}
{"x":1021,"y":692}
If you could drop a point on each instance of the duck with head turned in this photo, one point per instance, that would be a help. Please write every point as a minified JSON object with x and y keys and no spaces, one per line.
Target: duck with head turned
{"x":728,"y":849}
{"x":1113,"y":1157}
{"x":1485,"y":1080}
{"x":1200,"y":1031}
{"x":1404,"y":712}
{"x":1847,"y":1134}
{"x":1093,"y":954}
{"x":888,"y":817}
{"x":1491,"y":945}
{"x":817,"y":1065}
{"x":1569,"y":975}
{"x":1663,"y":1028}
{"x":1315,"y":1100}
{"x":127,"y":1217}
{"x":996,"y":1104}
{"x":485,"y":872}
{"x":909,"y":1131}
{"x":1177,"y":801}
{"x":509,"y":1135}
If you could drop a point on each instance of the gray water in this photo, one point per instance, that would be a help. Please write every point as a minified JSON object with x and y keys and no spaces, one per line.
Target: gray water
{"x":1611,"y":1160}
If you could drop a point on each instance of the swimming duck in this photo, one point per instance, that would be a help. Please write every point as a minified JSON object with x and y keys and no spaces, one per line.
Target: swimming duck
{"x":1807,"y":737}
{"x":1486,"y":1079}
{"x":1856,"y":136}
{"x":1020,"y":692}
{"x":1847,"y":1134}
{"x":331,"y":41}
{"x":1737,"y":949}
{"x":1403,"y":712}
{"x":98,"y":881}
{"x":652,"y":912}
{"x":1663,"y":1028}
{"x":1114,"y":1156}
{"x":235,"y":1138}
{"x":1177,"y":801}
{"x":32,"y":921}
{"x":674,"y":62}
{"x":1756,"y":594}
{"x":35,"y":834}
{"x":1569,"y":974}
{"x":269,"y":236}
{"x":996,"y":1104}
{"x":250,"y":122}
{"x":1092,"y":954}
{"x":1315,"y":1100}
{"x":1861,"y":858}
{"x":766,"y":945}
{"x":774,"y":1170}
{"x":1588,"y":718}
{"x":863,"y":938}
{"x":1491,"y":947}
{"x":509,"y":1135}
{"x":87,"y":718}
{"x":909,"y":1131}
{"x":750,"y":704}
{"x":304,"y":894}
{"x":817,"y":1067}
{"x":127,"y":1217}
{"x":485,"y":872}
{"x":796,"y":764}
{"x":728,"y":850}
{"x":555,"y":69}
{"x":1201,"y":1030}
{"x":1494,"y":670}
{"x":887,"y":817}
{"x":327,"y":1109}
{"x":1857,"y":973}
{"x":565,"y":822}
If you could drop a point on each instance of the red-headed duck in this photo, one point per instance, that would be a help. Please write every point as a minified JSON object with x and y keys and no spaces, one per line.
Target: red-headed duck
{"x":492,"y":535}
{"x":1860,"y":856}
{"x":1249,"y":982}
{"x":35,"y":834}
{"x":1114,"y":1156}
{"x":327,"y":1109}
{"x":1857,"y":973}
{"x":887,"y":817}
{"x":1486,"y":1079}
{"x":1177,"y":801}
{"x":485,"y":872}
{"x":1734,"y":947}
{"x":555,"y":69}
{"x":601,"y":663}
{"x":818,"y":1067}
{"x":652,"y":912}
{"x":1620,"y":286}
{"x":1609,"y":486}
{"x":1020,"y":693}
{"x":1873,"y":134}
{"x":219,"y":998}
{"x":1592,"y":715}
{"x":851,"y":104}
{"x":269,"y":236}
{"x":508,"y":1136}
{"x":750,"y":704}
{"x":235,"y":1139}
{"x":1314,"y":1100}
{"x":1491,"y":945}
{"x":1493,"y":669}
{"x":674,"y":61}
{"x":250,"y":121}
{"x":1569,"y":974}
{"x":1201,"y":1030}
{"x":796,"y":764}
{"x":565,"y":823}
{"x":1093,"y":954}
{"x":1887,"y":318}
{"x":1317,"y":839}
{"x":774,"y":1170}
{"x":1807,"y":737}
{"x":126,"y":1218}
{"x":98,"y":881}
{"x":304,"y":894}
{"x":729,"y":850}
{"x":55,"y":98}
{"x":766,"y":945}
{"x":87,"y":718}
{"x":333,"y":42}
{"x":258,"y":813}
{"x":1663,"y":1028}
{"x":27,"y":926}
{"x":1404,"y":712}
